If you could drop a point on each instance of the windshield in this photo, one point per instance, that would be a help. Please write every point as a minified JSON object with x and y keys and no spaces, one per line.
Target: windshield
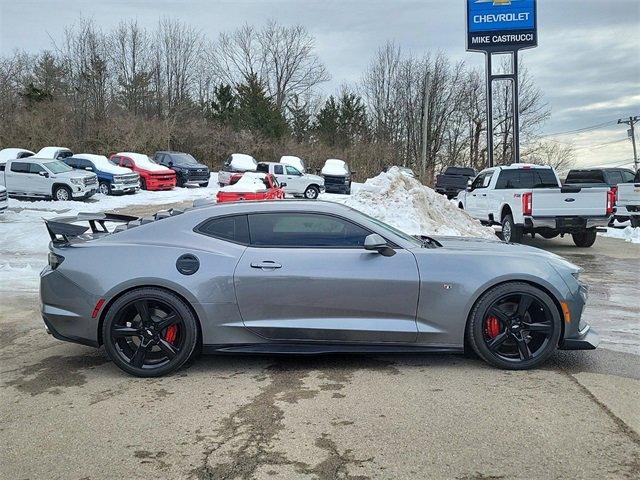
{"x":57,"y":167}
{"x":184,"y":158}
{"x":394,"y":230}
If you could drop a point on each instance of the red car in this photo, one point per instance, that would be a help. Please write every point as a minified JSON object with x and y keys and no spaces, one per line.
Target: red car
{"x":152,"y":175}
{"x":251,"y":186}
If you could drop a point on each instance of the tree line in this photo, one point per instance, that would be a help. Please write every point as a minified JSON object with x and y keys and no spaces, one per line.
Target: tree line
{"x":258,"y":90}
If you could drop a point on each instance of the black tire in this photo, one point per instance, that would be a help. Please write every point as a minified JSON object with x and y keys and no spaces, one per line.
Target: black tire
{"x":179,"y":182}
{"x":635,"y":221}
{"x":511,"y":345}
{"x":104,"y":188}
{"x":62,"y":193}
{"x":220,"y":184}
{"x":511,"y":233}
{"x":461,"y":206}
{"x":143,"y":184}
{"x":204,"y":184}
{"x":585,"y":238}
{"x":312,"y":192}
{"x":136,"y":332}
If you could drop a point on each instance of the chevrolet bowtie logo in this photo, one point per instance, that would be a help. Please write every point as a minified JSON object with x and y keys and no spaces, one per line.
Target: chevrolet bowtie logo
{"x":496,"y":2}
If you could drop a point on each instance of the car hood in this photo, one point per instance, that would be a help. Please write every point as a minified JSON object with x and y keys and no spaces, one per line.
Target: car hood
{"x":314,"y":178}
{"x":74,"y":174}
{"x":190,"y":166}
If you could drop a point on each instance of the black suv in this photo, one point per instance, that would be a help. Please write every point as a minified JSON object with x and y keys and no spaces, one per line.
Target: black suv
{"x":187,"y":168}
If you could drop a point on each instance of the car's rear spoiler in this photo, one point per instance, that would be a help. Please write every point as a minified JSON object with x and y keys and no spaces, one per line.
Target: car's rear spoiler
{"x":62,"y":229}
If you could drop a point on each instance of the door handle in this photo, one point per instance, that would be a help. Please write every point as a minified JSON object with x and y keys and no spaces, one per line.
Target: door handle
{"x":266,"y":265}
{"x":484,"y":194}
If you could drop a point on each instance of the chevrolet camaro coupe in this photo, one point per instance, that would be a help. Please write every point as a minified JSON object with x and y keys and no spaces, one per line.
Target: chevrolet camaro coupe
{"x":300,"y":277}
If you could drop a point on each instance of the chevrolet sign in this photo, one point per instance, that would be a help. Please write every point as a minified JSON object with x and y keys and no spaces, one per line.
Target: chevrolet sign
{"x":501,"y":25}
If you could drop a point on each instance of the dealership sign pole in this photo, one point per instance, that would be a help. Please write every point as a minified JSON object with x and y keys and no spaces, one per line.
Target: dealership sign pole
{"x":503,"y":27}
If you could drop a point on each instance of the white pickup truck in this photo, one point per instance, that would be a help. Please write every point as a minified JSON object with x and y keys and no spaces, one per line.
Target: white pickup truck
{"x":628,"y":201}
{"x":526,"y":198}
{"x":295,"y":182}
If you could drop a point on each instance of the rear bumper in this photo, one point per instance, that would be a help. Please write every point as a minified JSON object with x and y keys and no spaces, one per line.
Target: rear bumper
{"x":563,"y":224}
{"x":585,"y":339}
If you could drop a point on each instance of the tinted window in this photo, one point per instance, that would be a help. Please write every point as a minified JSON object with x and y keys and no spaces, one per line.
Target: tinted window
{"x":20,"y":167}
{"x":35,"y":168}
{"x":467,"y":172}
{"x":304,"y":230}
{"x":544,"y":178}
{"x":482,"y":180}
{"x":232,"y":228}
{"x":278,"y":170}
{"x":63,"y":154}
{"x":615,"y":177}
{"x":264,"y":168}
{"x":627,"y":176}
{"x":508,"y":179}
{"x":585,"y":176}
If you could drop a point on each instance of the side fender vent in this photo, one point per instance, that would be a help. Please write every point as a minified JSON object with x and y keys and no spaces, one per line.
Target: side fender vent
{"x":187,"y":264}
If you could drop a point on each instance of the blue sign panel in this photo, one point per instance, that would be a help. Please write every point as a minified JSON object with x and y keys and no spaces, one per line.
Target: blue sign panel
{"x":501,"y":25}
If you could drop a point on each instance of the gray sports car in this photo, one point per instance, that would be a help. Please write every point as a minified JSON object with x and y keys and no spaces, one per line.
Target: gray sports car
{"x":300,"y":277}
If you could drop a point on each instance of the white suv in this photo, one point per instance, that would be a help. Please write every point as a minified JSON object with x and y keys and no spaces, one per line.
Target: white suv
{"x":48,"y":178}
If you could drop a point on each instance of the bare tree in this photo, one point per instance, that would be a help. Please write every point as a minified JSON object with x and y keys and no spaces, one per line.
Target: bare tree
{"x":237,"y":56}
{"x":558,"y":155}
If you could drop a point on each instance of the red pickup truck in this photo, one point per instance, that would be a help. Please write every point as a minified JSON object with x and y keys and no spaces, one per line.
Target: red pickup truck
{"x":251,"y":186}
{"x":152,"y":175}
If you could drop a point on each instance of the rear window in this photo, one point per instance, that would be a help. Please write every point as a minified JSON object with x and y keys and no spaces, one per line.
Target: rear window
{"x":20,"y":167}
{"x":525,"y":178}
{"x":467,"y":172}
{"x":585,"y":176}
{"x":233,"y":228}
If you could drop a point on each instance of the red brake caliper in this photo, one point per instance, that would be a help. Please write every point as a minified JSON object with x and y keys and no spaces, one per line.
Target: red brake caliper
{"x":492,"y":327}
{"x":171,"y":333}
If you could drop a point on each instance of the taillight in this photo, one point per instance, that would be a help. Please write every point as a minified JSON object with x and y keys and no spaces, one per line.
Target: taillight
{"x":615,"y":194}
{"x":611,"y":201}
{"x":55,"y":260}
{"x":527,"y":203}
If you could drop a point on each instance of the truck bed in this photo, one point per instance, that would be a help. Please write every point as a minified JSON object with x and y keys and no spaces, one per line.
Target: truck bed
{"x":570,"y":202}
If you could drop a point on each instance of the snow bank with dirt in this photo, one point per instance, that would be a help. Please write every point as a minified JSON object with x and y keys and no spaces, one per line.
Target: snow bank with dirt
{"x":628,"y":234}
{"x":405,"y":203}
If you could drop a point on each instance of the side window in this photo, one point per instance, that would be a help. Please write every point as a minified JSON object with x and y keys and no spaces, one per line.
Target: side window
{"x":627,"y":177}
{"x":36,"y":168}
{"x":478,"y":181}
{"x":278,"y":170}
{"x":292,"y":171}
{"x":233,"y":228}
{"x":508,"y":179}
{"x":125,"y":162}
{"x":304,"y":230}
{"x":615,"y":177}
{"x":20,"y":167}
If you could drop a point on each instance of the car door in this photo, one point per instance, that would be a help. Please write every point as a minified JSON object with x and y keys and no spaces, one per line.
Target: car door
{"x":278,"y":172}
{"x":294,"y":178}
{"x":38,"y":180}
{"x":472,"y":198}
{"x":307,"y":277}
{"x":16,"y":177}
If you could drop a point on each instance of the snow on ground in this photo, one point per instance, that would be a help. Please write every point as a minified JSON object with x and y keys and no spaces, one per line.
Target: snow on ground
{"x":405,"y":203}
{"x":628,"y":234}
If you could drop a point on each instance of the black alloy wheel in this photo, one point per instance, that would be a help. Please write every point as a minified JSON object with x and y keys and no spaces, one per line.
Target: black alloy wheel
{"x":149,"y":332}
{"x":515,"y":326}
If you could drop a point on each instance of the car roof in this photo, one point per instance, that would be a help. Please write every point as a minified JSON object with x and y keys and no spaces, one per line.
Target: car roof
{"x":269,"y":206}
{"x":34,"y":160}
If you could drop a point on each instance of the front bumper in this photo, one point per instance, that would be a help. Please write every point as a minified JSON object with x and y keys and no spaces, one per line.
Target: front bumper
{"x":585,"y":339}
{"x":333,"y":188}
{"x":83,"y":192}
{"x":125,"y":187}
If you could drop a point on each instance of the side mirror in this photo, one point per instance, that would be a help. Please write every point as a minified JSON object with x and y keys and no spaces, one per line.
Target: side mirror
{"x":171,"y":164}
{"x":375,"y":242}
{"x":469,"y":183}
{"x":43,"y":174}
{"x":283,"y":184}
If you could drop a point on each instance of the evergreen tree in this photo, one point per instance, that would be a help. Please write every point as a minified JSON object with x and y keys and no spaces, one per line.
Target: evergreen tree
{"x":223,"y":105}
{"x":342,"y":122}
{"x":256,"y":111}
{"x":327,"y":122}
{"x":300,"y":119}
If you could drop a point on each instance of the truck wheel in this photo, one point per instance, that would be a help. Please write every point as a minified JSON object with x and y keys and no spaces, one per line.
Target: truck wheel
{"x":585,"y":239}
{"x":104,"y":188}
{"x":311,"y":193}
{"x":62,"y":193}
{"x":143,"y":184}
{"x":511,"y":233}
{"x":179,"y":182}
{"x":635,"y":221}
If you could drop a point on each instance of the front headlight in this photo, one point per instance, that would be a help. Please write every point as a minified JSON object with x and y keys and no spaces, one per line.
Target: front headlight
{"x":76,"y":181}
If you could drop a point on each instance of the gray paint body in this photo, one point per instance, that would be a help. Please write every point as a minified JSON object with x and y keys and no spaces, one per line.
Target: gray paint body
{"x":349,"y":297}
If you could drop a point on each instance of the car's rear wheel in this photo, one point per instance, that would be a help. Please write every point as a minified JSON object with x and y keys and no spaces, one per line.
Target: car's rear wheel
{"x":635,"y":221}
{"x":311,"y":193}
{"x":511,"y":233}
{"x":149,"y":332}
{"x":62,"y":193}
{"x":514,"y":326}
{"x":585,"y":239}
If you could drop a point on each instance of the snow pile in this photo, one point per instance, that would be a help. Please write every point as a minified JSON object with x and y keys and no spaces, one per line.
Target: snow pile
{"x":102,"y":163}
{"x":628,"y":234}
{"x":250,"y":182}
{"x":295,"y":162}
{"x":336,"y":167}
{"x":143,"y":161}
{"x":243,"y":162}
{"x":405,"y":203}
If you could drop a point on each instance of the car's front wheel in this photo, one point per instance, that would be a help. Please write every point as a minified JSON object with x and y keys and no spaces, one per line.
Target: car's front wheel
{"x":62,"y":193}
{"x":149,"y":332}
{"x":514,"y":326}
{"x":104,"y":188}
{"x":311,"y":193}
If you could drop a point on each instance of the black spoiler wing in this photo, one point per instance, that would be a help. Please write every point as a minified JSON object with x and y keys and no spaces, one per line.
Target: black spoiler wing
{"x":63,"y":229}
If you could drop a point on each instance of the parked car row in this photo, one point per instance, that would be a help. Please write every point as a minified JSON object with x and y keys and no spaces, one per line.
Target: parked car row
{"x":49,"y":173}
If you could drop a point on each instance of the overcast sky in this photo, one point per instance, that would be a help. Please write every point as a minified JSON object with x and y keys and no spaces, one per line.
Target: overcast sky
{"x":587,"y":62}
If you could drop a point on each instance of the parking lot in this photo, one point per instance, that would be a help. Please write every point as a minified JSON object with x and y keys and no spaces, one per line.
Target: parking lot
{"x":67,"y":412}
